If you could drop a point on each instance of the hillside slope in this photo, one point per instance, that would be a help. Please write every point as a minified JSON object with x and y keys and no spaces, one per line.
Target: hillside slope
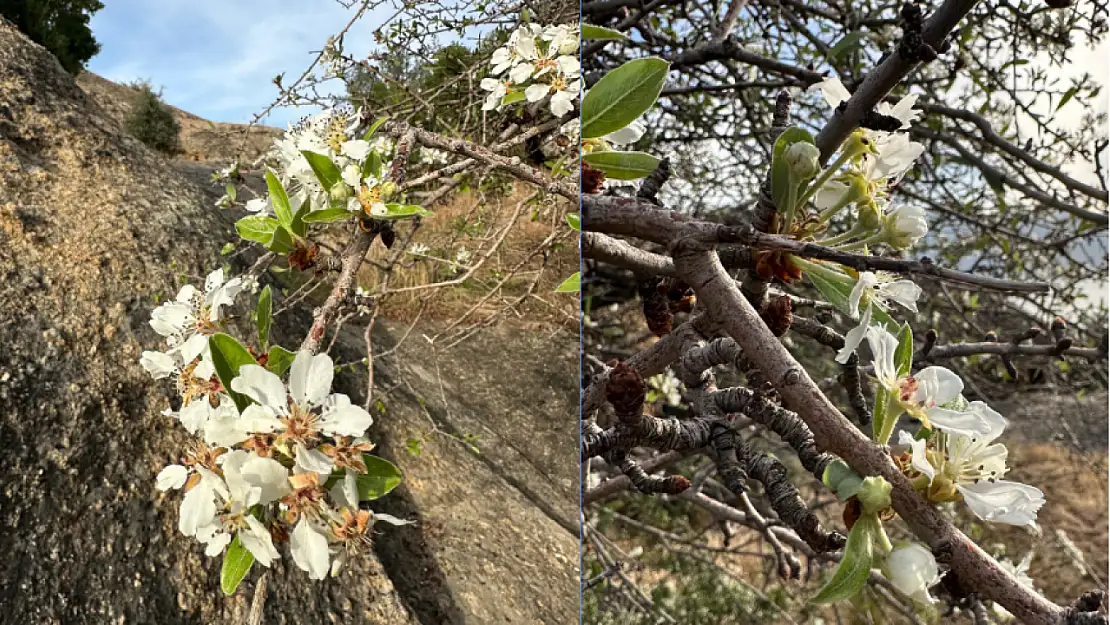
{"x":93,"y":228}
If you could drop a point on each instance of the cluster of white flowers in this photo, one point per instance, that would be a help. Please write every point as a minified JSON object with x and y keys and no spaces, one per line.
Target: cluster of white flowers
{"x":292,"y":458}
{"x":186,"y":322}
{"x":961,"y":460}
{"x":328,"y":133}
{"x":875,"y":160}
{"x":538,"y":62}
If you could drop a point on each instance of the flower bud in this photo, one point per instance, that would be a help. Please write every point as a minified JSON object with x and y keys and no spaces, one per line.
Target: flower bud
{"x":802,"y":157}
{"x":905,"y":226}
{"x":912,"y":569}
{"x":874,"y":494}
{"x":339,"y":194}
{"x":388,"y":188}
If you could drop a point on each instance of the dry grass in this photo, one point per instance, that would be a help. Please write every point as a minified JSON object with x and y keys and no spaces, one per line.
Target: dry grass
{"x":530,"y":251}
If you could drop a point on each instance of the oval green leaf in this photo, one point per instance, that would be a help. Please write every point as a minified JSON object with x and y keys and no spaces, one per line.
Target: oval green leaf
{"x":623,"y":165}
{"x":327,"y":215}
{"x":228,"y":355}
{"x":372,"y":166}
{"x":903,"y":356}
{"x":257,"y":228}
{"x":279,"y":199}
{"x":264,"y":315}
{"x":589,"y":31}
{"x":279,"y":359}
{"x":404,"y":211}
{"x":622,"y":95}
{"x":572,"y":284}
{"x":574,"y":220}
{"x":381,"y":477}
{"x":281,"y":242}
{"x":374,"y":127}
{"x":326,"y":171}
{"x":855,"y":567}
{"x":237,"y":563}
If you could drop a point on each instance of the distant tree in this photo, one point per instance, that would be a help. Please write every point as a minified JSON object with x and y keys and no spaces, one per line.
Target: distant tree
{"x":151,"y":121}
{"x":61,"y":26}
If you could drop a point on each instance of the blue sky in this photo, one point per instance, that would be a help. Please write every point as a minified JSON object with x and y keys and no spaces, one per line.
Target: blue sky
{"x":216,"y":58}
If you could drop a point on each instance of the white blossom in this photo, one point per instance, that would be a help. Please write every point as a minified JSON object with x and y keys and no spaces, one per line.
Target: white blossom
{"x":912,"y":569}
{"x":975,"y":464}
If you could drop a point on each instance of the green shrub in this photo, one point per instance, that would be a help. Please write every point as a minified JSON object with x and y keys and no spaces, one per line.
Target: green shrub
{"x":60,"y":26}
{"x":152,"y":122}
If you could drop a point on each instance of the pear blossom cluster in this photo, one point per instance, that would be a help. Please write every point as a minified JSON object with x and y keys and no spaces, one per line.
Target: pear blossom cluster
{"x":960,"y":460}
{"x":536,"y":62}
{"x":286,"y":467}
{"x":330,"y":133}
{"x":870,"y":162}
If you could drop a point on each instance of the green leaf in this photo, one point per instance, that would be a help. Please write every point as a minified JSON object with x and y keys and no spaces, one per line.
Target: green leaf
{"x":264,"y":315}
{"x":257,"y":228}
{"x":372,"y":166}
{"x":327,"y":215}
{"x":374,"y":127}
{"x":878,"y":415}
{"x":574,"y":220}
{"x":623,"y":165}
{"x":847,"y":44}
{"x":282,"y":242}
{"x":781,"y":178}
{"x":326,"y":171}
{"x":513,"y":97}
{"x":841,"y":478}
{"x":228,"y":355}
{"x":279,"y":359}
{"x":237,"y":563}
{"x":572,"y":284}
{"x":589,"y":31}
{"x":404,"y":211}
{"x":903,"y":356}
{"x":1068,"y":95}
{"x":855,"y":566}
{"x":279,"y":199}
{"x":231,"y":191}
{"x":381,"y":477}
{"x":298,"y":227}
{"x":622,"y":95}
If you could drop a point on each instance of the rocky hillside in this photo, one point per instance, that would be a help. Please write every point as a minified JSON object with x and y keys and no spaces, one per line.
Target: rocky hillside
{"x":201,"y":140}
{"x":93,"y":228}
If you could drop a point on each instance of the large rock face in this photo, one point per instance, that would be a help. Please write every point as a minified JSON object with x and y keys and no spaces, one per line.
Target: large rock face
{"x":93,"y":228}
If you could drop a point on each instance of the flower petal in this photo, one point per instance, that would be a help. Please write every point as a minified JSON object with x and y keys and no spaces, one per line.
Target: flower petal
{"x":172,"y":476}
{"x":310,"y":378}
{"x":313,"y":461}
{"x":309,"y":549}
{"x":917,"y":450}
{"x":1002,"y":501}
{"x":341,"y":418}
{"x":256,"y":538}
{"x":158,"y":364}
{"x":854,"y":337}
{"x":262,"y":386}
